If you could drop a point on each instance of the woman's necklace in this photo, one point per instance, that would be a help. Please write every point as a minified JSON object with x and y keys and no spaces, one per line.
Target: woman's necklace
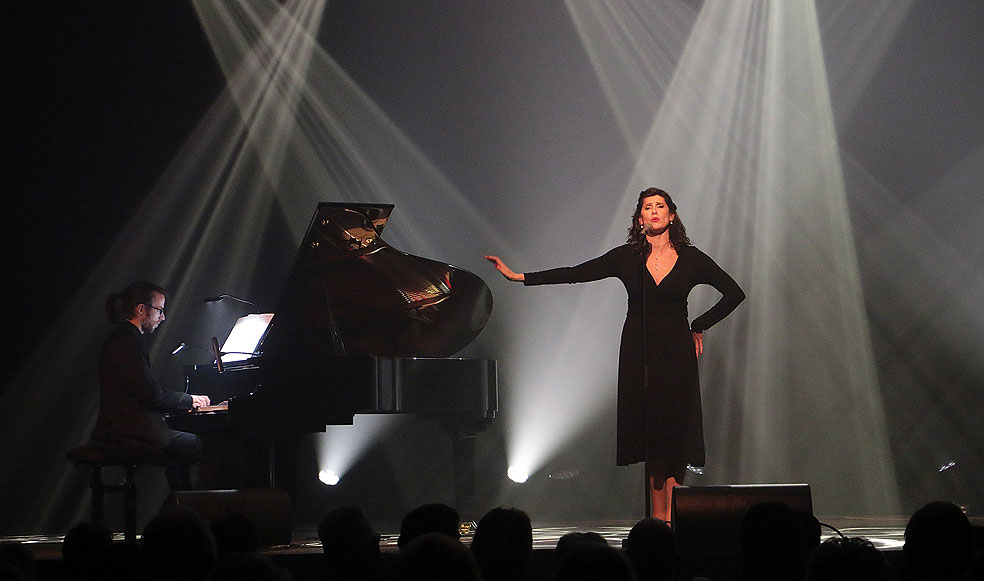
{"x":655,"y":258}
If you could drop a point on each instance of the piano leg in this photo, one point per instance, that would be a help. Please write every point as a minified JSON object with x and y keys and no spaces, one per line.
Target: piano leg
{"x":463,"y":459}
{"x":463,"y":428}
{"x":283,"y":464}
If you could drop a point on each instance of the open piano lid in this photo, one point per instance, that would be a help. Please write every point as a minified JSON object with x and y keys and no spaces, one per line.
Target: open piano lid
{"x":350,"y":293}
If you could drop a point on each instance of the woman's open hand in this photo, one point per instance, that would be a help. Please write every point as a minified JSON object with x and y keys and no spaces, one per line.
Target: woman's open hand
{"x":505,"y":270}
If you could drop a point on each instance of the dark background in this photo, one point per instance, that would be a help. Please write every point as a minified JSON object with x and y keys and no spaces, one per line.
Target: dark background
{"x":97,"y":99}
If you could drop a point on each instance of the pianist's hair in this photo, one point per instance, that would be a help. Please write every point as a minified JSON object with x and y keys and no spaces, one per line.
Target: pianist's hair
{"x":637,"y":235}
{"x":120,"y":306}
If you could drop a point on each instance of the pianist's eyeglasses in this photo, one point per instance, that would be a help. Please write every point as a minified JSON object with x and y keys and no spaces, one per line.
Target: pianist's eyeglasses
{"x":153,"y":307}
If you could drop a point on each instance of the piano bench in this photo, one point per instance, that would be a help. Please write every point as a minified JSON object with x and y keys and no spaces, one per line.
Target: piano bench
{"x":100,"y":455}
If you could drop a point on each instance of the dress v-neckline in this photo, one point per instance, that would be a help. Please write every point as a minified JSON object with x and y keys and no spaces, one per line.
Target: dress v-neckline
{"x":670,"y":271}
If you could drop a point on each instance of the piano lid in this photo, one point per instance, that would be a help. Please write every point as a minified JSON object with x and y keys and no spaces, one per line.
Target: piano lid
{"x":350,"y":293}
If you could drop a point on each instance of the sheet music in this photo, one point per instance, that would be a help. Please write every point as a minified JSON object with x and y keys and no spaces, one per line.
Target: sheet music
{"x":245,"y":337}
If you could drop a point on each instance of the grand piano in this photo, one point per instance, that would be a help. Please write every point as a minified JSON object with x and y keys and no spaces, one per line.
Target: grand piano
{"x":360,"y":328}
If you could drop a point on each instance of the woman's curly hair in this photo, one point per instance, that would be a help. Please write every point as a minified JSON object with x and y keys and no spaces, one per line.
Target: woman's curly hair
{"x":637,"y":235}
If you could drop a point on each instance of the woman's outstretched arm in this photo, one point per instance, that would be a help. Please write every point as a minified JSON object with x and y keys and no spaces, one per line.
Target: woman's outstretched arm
{"x":505,"y":270}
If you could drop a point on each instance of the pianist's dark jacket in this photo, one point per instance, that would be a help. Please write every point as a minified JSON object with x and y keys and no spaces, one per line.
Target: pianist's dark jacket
{"x":130,"y":402}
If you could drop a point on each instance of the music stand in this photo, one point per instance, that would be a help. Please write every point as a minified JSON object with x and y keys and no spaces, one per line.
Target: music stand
{"x":245,"y":336}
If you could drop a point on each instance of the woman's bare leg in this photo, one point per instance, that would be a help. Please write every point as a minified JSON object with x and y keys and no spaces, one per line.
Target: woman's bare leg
{"x":662,"y":496}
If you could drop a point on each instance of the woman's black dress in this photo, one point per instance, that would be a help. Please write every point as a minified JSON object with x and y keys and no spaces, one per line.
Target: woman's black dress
{"x":661,"y":425}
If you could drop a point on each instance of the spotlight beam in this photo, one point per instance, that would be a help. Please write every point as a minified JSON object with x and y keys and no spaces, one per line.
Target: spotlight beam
{"x":744,"y":135}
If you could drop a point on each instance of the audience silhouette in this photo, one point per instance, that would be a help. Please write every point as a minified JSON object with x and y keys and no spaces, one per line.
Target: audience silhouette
{"x":567,"y":542}
{"x":847,"y":559}
{"x":938,"y":543}
{"x":770,"y":547}
{"x":502,"y":544}
{"x":249,"y":567}
{"x":651,"y":549}
{"x":437,"y":557}
{"x":589,"y":560}
{"x":177,"y":545}
{"x":233,"y":534}
{"x":351,"y":546}
{"x":88,"y":553}
{"x":810,"y":532}
{"x":16,"y":562}
{"x":429,"y":518}
{"x":777,"y":543}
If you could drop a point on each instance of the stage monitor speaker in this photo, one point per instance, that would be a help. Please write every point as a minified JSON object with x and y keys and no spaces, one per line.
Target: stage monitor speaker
{"x":267,"y":508}
{"x":706,"y":520}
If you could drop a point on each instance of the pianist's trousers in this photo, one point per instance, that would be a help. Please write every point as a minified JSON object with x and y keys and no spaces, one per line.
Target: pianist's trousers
{"x":181,"y":452}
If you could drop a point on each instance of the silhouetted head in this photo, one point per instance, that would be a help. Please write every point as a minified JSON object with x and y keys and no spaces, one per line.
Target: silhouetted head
{"x":591,"y":561}
{"x":567,"y":542}
{"x":87,"y":548}
{"x":770,"y":542}
{"x":429,"y":518}
{"x":234,"y":533}
{"x":810,"y":529}
{"x":177,"y":544}
{"x":348,"y":538}
{"x":938,"y":539}
{"x":651,"y":548}
{"x":437,"y":557}
{"x":847,"y":559}
{"x":502,"y":543}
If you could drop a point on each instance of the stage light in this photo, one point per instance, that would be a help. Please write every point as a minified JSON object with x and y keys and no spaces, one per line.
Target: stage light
{"x":328,"y":477}
{"x":517,"y":475}
{"x":340,"y":447}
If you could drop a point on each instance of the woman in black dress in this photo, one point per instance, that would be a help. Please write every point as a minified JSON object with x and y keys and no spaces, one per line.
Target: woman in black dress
{"x":659,"y":410}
